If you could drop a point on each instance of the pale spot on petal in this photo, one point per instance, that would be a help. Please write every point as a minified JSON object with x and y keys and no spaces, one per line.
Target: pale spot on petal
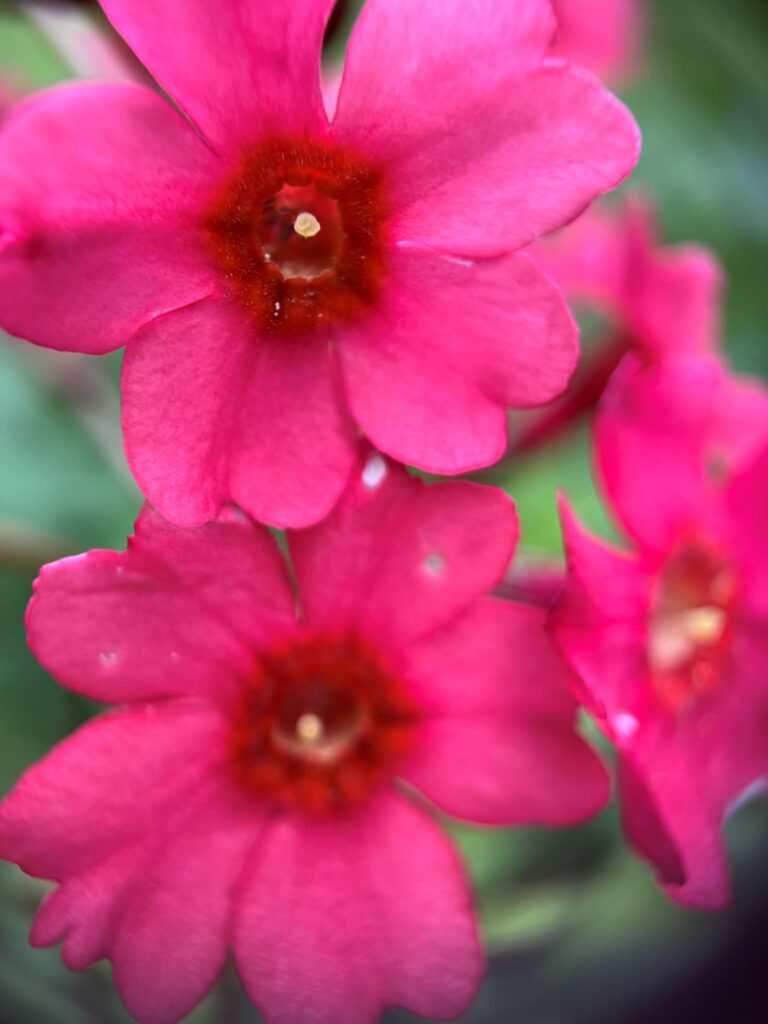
{"x":374,"y":472}
{"x":434,"y":565}
{"x":625,"y":725}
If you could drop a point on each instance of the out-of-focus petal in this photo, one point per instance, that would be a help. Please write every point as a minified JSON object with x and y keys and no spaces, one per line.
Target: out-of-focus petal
{"x":400,"y":558}
{"x":669,"y":417}
{"x":599,"y":622}
{"x":603,"y":37}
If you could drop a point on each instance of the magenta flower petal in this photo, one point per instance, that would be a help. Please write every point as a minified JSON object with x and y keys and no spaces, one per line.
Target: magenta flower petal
{"x":80,"y":912}
{"x":603,"y":37}
{"x":673,"y":815}
{"x":179,"y":435}
{"x":746,"y":501}
{"x":235,"y":69}
{"x":400,"y":70}
{"x":172,"y":936}
{"x":679,"y":780}
{"x":97,"y":188}
{"x":600,"y":619}
{"x":160,"y":909}
{"x":297,"y":443}
{"x":113,"y":781}
{"x":664,"y":300}
{"x":125,"y":627}
{"x":668,"y":641}
{"x":502,"y":747}
{"x":694,"y":422}
{"x":673,"y":294}
{"x":336,"y":922}
{"x":430,"y":377}
{"x":445,"y":546}
{"x":533,"y":154}
{"x":270,"y":429}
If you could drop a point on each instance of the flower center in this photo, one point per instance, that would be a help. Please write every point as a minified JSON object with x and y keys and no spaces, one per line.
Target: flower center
{"x":317,"y":720}
{"x":298,"y":233}
{"x":322,"y":722}
{"x":691,"y":625}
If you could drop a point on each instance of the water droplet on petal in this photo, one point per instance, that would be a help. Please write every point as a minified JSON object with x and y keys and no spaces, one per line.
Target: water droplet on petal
{"x":374,"y":472}
{"x":626,"y":725}
{"x":108,"y":658}
{"x":434,"y":565}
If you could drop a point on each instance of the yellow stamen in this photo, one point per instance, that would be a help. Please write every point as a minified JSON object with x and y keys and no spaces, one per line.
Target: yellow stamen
{"x":309,"y":728}
{"x":307,"y":225}
{"x":705,"y":625}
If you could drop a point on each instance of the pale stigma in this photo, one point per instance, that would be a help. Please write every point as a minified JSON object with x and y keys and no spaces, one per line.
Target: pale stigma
{"x":307,"y":225}
{"x":309,"y":728}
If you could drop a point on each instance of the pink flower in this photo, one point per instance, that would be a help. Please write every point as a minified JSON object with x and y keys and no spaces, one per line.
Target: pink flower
{"x":284,"y":282}
{"x":603,"y":35}
{"x":664,"y":300}
{"x":659,"y":301}
{"x":669,"y":639}
{"x":248,"y":795}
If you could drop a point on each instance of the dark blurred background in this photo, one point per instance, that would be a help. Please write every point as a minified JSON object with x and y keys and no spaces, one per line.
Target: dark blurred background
{"x":577,"y":931}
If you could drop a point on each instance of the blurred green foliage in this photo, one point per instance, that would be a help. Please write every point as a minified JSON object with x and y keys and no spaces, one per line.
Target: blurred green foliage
{"x":577,"y":930}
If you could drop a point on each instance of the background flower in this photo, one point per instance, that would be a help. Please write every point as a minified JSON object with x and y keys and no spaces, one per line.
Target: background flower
{"x":666,"y":637}
{"x":607,"y":39}
{"x":577,"y":930}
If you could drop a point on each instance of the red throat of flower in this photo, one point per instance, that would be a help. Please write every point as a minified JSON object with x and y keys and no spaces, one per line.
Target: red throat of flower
{"x":322,"y":722}
{"x":298,"y":232}
{"x":691,"y":625}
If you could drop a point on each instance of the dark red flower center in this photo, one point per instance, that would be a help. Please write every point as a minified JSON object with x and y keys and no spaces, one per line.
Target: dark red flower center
{"x":298,"y":231}
{"x":691,"y":626}
{"x":322,"y":722}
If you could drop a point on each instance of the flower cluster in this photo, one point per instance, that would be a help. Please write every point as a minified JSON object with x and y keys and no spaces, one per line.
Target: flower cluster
{"x":309,"y":303}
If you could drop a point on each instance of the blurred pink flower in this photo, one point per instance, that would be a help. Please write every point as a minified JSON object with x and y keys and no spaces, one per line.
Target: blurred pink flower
{"x":258,"y":791}
{"x":659,"y":301}
{"x":669,"y":640}
{"x":602,"y":35}
{"x":664,"y":300}
{"x":283,"y":282}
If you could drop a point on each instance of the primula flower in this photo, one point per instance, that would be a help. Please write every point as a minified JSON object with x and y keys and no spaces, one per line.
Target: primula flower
{"x":664,"y":300}
{"x":284,"y":282}
{"x":658,"y":301}
{"x":604,"y":36}
{"x":261,"y":790}
{"x":669,"y":639}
